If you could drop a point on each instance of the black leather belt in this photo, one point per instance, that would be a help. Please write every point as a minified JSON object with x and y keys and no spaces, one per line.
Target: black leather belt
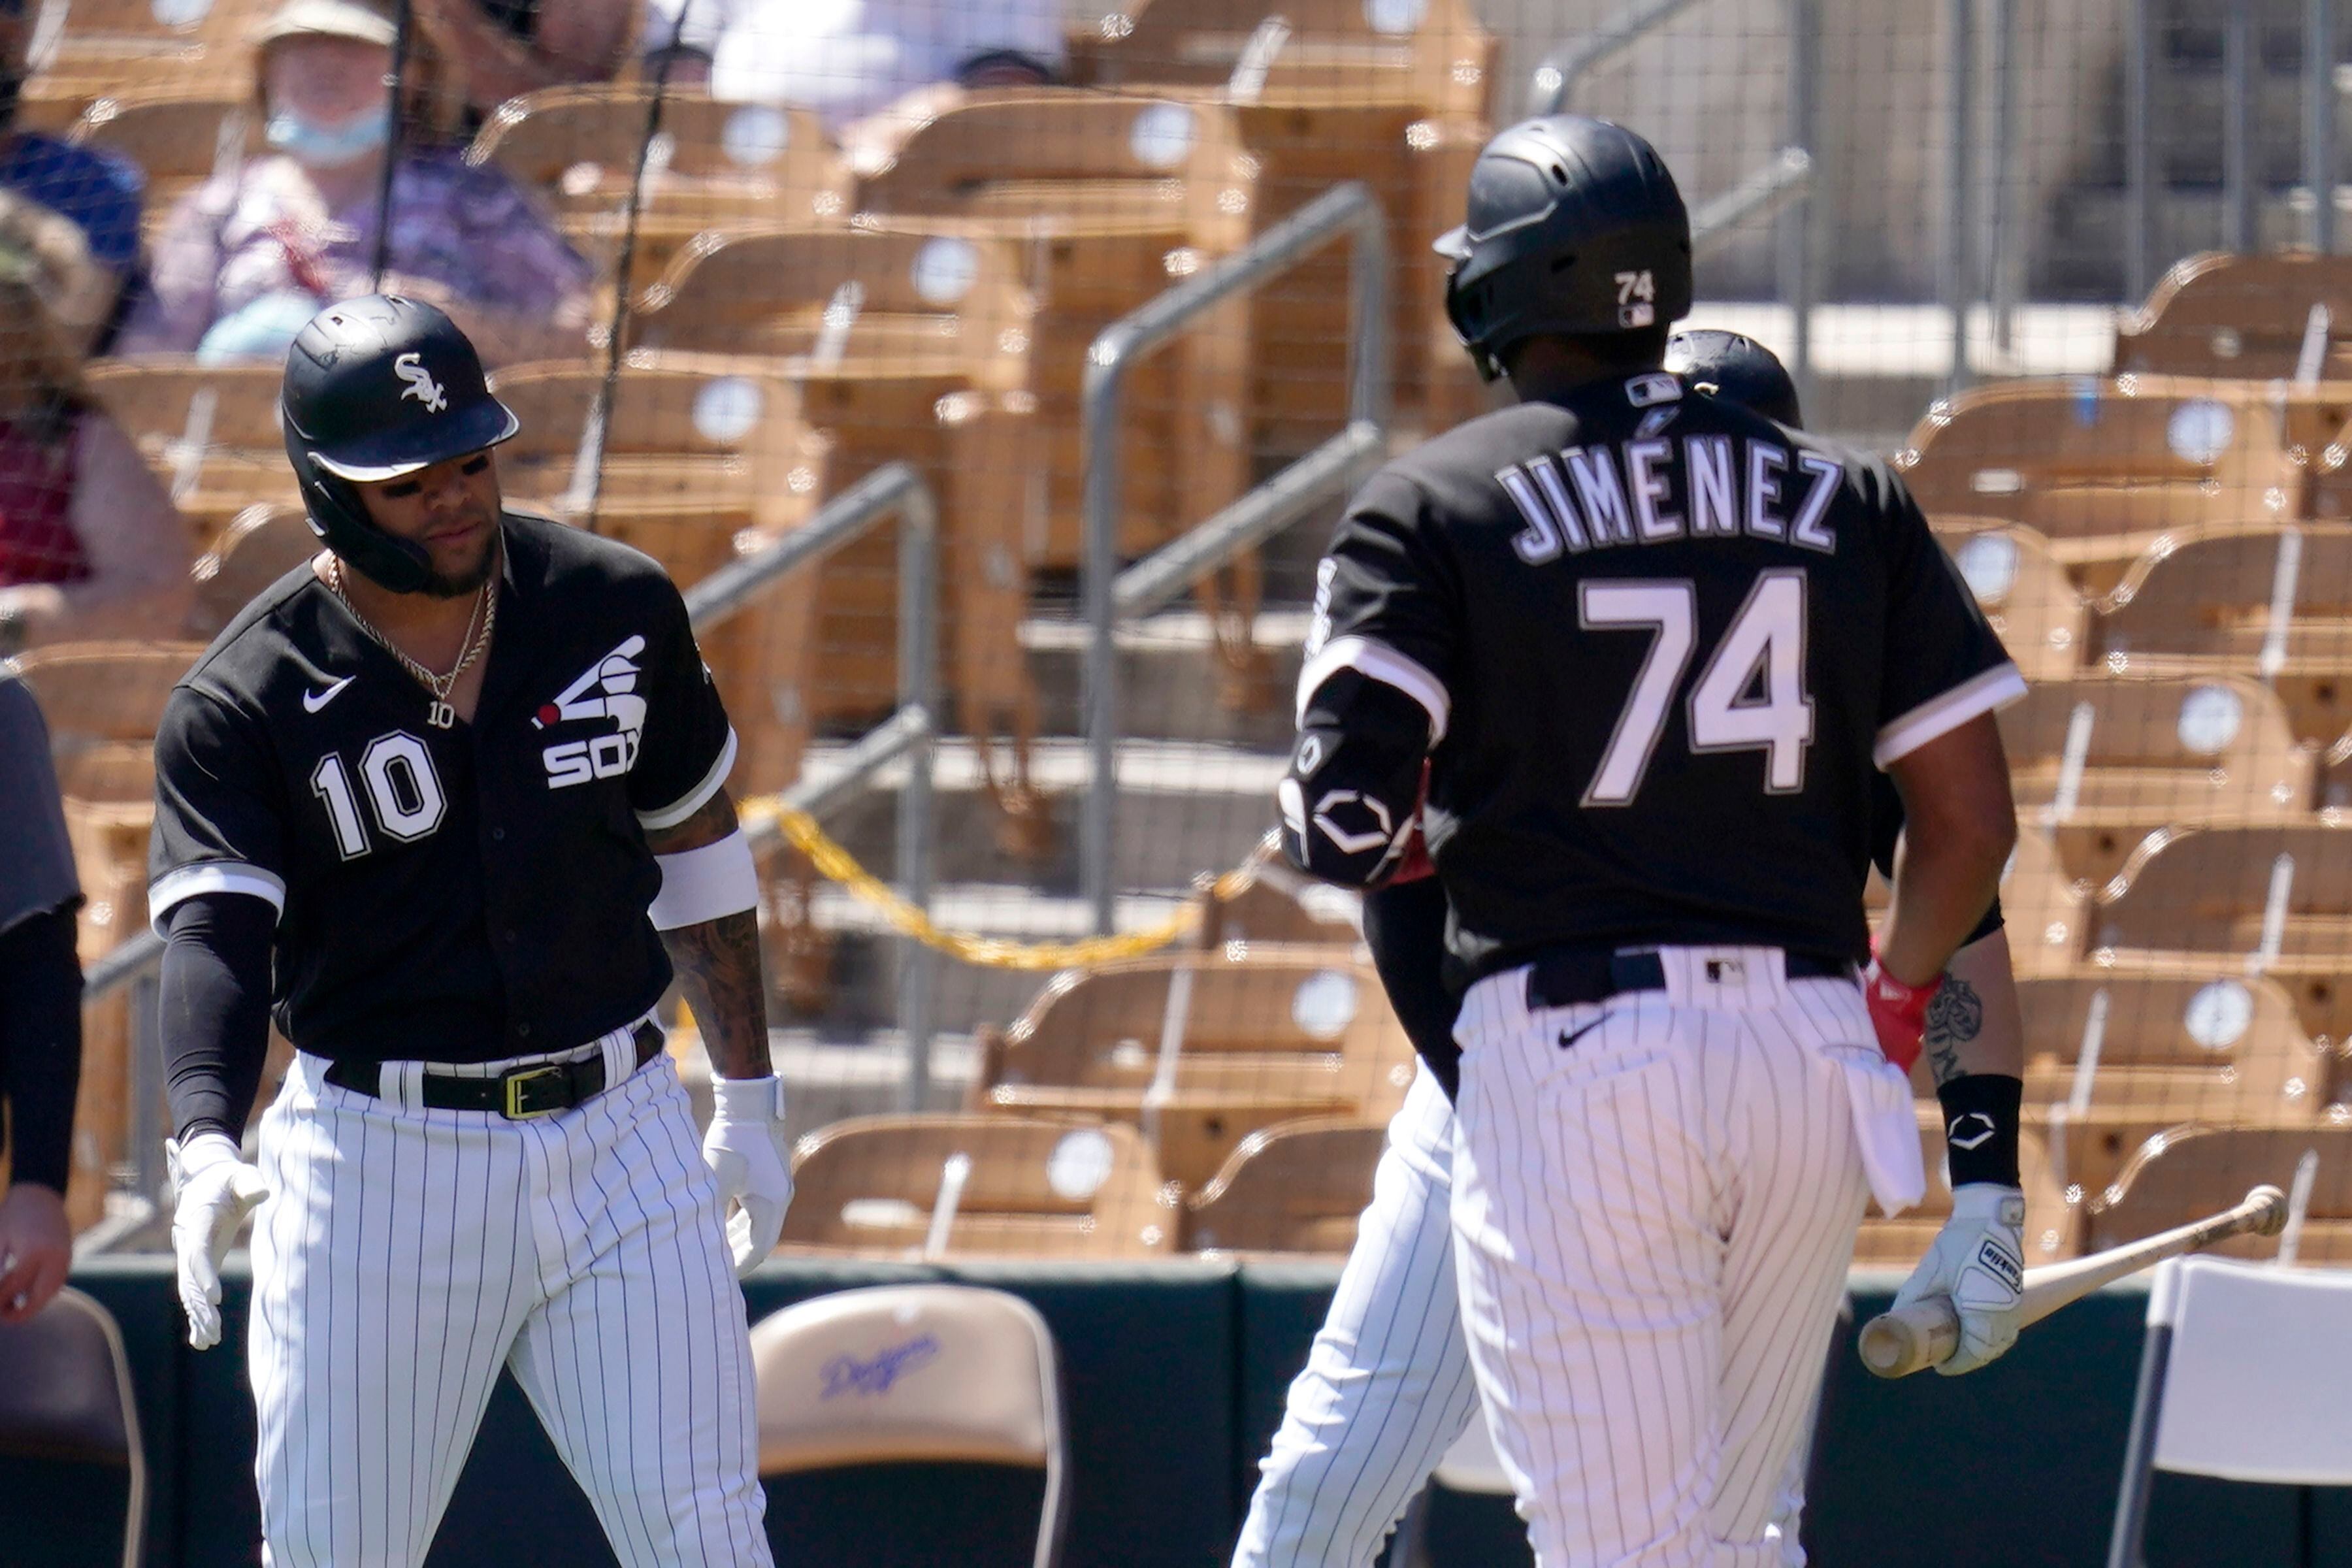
{"x":1575,"y":976}
{"x":518,"y":1094}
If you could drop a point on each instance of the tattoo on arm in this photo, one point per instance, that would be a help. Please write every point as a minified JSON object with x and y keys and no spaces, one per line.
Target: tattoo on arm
{"x":717,"y":961}
{"x":1953,"y":1018}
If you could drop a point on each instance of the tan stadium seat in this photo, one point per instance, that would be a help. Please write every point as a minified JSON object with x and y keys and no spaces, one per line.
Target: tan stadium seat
{"x":970,"y":1376}
{"x":67,"y":1397}
{"x":2027,"y":593}
{"x":712,"y":165}
{"x":262,"y":545}
{"x":2190,"y":1173}
{"x":111,"y":46}
{"x":1327,"y":92}
{"x":168,"y":400}
{"x":102,"y":701}
{"x":1275,"y":906}
{"x":1202,"y":1049}
{"x":2050,"y":1232}
{"x":2276,"y":901}
{"x":2211,"y":1047}
{"x":178,"y":140}
{"x":2102,"y":762}
{"x":1296,"y":1186}
{"x":1111,"y":199}
{"x":2245,"y":316}
{"x":999,"y":1185}
{"x":2122,"y":461}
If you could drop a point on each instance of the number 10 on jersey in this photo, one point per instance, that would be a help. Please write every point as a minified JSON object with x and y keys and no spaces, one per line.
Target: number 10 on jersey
{"x":1750,"y":696}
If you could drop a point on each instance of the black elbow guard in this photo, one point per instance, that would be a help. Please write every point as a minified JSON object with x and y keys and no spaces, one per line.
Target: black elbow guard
{"x":1354,"y":785}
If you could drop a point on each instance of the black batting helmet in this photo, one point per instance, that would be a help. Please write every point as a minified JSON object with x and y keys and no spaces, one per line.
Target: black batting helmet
{"x":1737,"y":368}
{"x":1575,"y":227}
{"x":376,"y":388}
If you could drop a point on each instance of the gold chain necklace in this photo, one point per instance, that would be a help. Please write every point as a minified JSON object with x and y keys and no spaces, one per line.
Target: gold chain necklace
{"x":440,"y":714}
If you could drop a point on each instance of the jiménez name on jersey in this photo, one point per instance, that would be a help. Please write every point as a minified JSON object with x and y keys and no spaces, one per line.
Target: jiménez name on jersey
{"x":1656,"y":486}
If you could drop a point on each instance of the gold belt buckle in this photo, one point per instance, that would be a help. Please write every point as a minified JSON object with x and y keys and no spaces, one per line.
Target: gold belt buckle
{"x":516,"y":1083}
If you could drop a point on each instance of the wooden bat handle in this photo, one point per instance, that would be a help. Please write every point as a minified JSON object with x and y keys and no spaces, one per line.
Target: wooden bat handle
{"x":1910,"y":1339}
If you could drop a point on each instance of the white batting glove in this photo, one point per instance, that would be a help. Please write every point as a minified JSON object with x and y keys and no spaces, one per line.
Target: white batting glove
{"x":216,"y":1190}
{"x":746,"y":1151}
{"x":1979,"y":1261}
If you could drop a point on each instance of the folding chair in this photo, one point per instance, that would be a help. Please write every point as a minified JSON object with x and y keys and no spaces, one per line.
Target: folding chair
{"x":66,"y":1397}
{"x":915,"y":1374}
{"x":2237,"y":1382}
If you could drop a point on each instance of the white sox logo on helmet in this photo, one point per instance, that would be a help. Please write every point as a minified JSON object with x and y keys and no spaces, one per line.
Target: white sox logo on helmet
{"x":410,"y":368}
{"x":606,"y":690}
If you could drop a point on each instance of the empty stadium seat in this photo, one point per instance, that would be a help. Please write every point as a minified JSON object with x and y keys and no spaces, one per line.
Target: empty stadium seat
{"x":1201,"y":1049}
{"x":2189,"y":1174}
{"x":1296,"y":1186}
{"x":2240,"y":315}
{"x":210,"y":433}
{"x":111,"y":46}
{"x":1019,"y":1186}
{"x":2051,"y":1231}
{"x":2211,"y":1048}
{"x":1278,"y":907}
{"x":2025,"y":592}
{"x":711,"y":165}
{"x":178,"y":140}
{"x":262,"y":545}
{"x":2102,"y":762}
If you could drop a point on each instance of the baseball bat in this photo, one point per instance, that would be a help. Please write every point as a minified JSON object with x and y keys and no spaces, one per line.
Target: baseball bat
{"x":1923,"y":1334}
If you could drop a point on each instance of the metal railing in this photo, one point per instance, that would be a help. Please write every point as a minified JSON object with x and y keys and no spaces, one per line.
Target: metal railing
{"x":1109,"y":596}
{"x":894,"y":489}
{"x":1552,"y":87}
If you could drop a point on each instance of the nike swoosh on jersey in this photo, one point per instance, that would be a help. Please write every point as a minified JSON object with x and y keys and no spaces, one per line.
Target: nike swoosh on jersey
{"x":314,"y":701}
{"x":1567,"y":1040}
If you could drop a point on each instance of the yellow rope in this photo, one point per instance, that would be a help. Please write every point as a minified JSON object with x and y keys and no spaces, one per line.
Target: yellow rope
{"x":836,"y":864}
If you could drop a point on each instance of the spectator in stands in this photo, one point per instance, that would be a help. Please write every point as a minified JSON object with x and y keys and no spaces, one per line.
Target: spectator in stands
{"x":100,"y":193}
{"x":248,"y":258}
{"x":885,"y":60}
{"x":40,"y":1009}
{"x":513,"y":47}
{"x":90,"y":545}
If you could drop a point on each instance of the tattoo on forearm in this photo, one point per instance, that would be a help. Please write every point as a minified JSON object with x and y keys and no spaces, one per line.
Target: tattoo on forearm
{"x":717,"y":964}
{"x":1953,"y":1018}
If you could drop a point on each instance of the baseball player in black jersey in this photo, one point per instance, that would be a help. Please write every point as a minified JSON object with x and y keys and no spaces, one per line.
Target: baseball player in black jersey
{"x":1386,"y":1390}
{"x":458,"y":785}
{"x":1652,"y":646}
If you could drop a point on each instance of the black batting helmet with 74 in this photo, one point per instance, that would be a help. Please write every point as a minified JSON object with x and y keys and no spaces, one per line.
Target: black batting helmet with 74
{"x":1574,"y":227}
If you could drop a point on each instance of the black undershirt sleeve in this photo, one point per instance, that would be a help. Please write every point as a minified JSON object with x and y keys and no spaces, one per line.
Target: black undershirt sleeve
{"x":215,"y":1009}
{"x":40,"y":1043}
{"x":1404,"y":926}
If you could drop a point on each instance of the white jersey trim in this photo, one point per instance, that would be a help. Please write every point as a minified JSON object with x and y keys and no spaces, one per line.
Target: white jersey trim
{"x":1939,"y":716}
{"x":685,"y":805}
{"x":1379,"y":662}
{"x":175,"y":888}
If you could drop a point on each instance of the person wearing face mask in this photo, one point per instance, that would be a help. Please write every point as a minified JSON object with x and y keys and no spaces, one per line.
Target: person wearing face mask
{"x":98,"y":193}
{"x":248,"y":256}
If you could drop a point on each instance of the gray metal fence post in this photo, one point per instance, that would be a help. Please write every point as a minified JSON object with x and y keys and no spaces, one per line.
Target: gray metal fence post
{"x":2003,"y":242}
{"x":1098,"y":404}
{"x":919,"y":689}
{"x":1960,"y":173}
{"x":2237,"y":49}
{"x":2139,"y":152}
{"x":1798,"y":237}
{"x":2319,"y":120}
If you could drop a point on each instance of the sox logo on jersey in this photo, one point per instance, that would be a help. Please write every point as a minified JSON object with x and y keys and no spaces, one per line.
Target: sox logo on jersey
{"x":606,"y":690}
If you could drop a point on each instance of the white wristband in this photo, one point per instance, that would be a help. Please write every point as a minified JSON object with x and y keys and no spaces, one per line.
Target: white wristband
{"x":703,"y":884}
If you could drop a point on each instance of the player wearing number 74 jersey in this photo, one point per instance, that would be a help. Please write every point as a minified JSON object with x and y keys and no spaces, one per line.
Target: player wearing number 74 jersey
{"x":1653,"y":646}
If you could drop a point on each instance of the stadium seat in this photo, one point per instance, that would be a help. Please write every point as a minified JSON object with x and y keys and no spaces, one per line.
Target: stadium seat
{"x":1202,"y":1049}
{"x":1296,"y":1186}
{"x":169,"y":401}
{"x":1000,"y":1186}
{"x":712,"y":165}
{"x":2211,"y":1047}
{"x":2248,"y":316}
{"x":971,"y":1375}
{"x":1899,"y":1242}
{"x":2102,"y":762}
{"x":1276,"y":907}
{"x":66,"y":1396}
{"x":1326,"y":91}
{"x":1112,"y":199}
{"x":2187,"y":1174}
{"x":177,"y":139}
{"x":262,"y":545}
{"x":111,"y":46}
{"x":2025,"y":592}
{"x":2122,"y":461}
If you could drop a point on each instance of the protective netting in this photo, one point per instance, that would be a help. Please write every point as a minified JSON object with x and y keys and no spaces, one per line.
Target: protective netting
{"x":731,"y":260}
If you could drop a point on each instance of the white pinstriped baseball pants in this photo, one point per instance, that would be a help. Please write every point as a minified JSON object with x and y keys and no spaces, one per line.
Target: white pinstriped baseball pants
{"x":1653,"y":1224}
{"x":404,"y":1255}
{"x":1387,"y":1387}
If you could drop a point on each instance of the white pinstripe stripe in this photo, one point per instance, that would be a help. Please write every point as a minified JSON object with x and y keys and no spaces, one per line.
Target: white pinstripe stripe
{"x":592,"y":1256}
